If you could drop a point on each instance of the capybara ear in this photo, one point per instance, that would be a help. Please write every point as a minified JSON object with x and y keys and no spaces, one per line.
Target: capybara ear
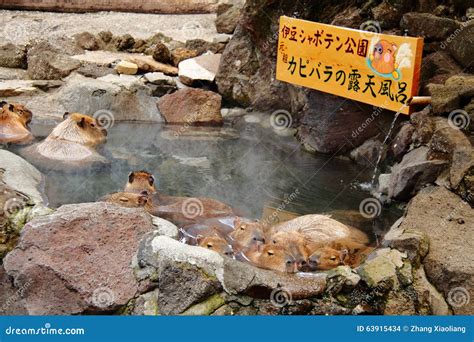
{"x":151,"y":180}
{"x":131,"y":177}
{"x":66,"y":115}
{"x":11,"y":108}
{"x":199,"y":238}
{"x":82,"y":123}
{"x":142,"y":200}
{"x":2,"y":103}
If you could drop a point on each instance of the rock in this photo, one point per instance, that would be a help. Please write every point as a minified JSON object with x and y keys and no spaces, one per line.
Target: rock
{"x":331,"y":124}
{"x":412,"y":242}
{"x":448,"y":97}
{"x":106,"y":36}
{"x":181,"y":54}
{"x":413,"y":172}
{"x":191,"y":106}
{"x":461,"y":47}
{"x":124,"y":42}
{"x":146,"y":304}
{"x":367,"y":153}
{"x":437,"y":68}
{"x":165,"y":228}
{"x":349,"y":17}
{"x":387,"y":15}
{"x":105,"y":240}
{"x":430,"y":301}
{"x":402,"y":142}
{"x":202,"y":68}
{"x":226,"y":22}
{"x":12,"y":74}
{"x":449,"y":264}
{"x":222,"y":38}
{"x":159,"y":78}
{"x":148,"y":64}
{"x":16,"y":88}
{"x":161,"y":53}
{"x":95,"y":71}
{"x":382,"y":266}
{"x":13,"y":56}
{"x":202,"y":46}
{"x":399,"y":303}
{"x":46,"y":64}
{"x":424,"y":127}
{"x":188,"y":275}
{"x":450,"y":144}
{"x":11,"y":297}
{"x":205,"y":308}
{"x":428,"y":25}
{"x":127,"y":68}
{"x":87,"y":41}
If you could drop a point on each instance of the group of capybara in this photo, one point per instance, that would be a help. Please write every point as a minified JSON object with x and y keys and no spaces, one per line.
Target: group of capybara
{"x":302,"y":244}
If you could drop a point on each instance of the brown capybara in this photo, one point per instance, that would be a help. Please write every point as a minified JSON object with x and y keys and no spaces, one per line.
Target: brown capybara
{"x":211,"y":227}
{"x":271,"y":257}
{"x":216,"y":244}
{"x":14,"y":120}
{"x":246,"y":234}
{"x":179,"y":210}
{"x":325,"y":258}
{"x":320,"y":229}
{"x":126,"y":199}
{"x":383,"y":57}
{"x":294,"y":242}
{"x":72,"y":144}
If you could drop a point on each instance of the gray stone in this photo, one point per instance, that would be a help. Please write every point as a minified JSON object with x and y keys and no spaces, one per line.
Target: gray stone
{"x":449,"y":223}
{"x":428,"y":25}
{"x":382,"y":266}
{"x":448,"y":97}
{"x":159,"y":78}
{"x":413,"y":172}
{"x":13,"y":56}
{"x":165,"y":228}
{"x":202,"y":68}
{"x":461,"y":46}
{"x":45,"y":63}
{"x":226,"y":22}
{"x":367,"y":153}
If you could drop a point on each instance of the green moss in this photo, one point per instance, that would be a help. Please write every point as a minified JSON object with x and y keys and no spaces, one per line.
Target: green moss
{"x":205,"y":308}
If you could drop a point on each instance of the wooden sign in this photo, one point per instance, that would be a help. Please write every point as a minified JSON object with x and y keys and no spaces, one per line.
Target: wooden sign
{"x":378,"y":69}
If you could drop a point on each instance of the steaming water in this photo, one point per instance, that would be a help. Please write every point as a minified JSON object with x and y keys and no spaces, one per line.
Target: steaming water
{"x":249,"y":168}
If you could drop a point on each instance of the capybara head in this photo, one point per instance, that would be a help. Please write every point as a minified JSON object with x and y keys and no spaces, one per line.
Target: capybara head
{"x":295,"y":243}
{"x":127,"y":199}
{"x":216,"y":244}
{"x":142,"y":182}
{"x":79,"y":128}
{"x":272,"y":257}
{"x":14,"y":119}
{"x":247,"y":234}
{"x":326,"y":258}
{"x":384,"y":57}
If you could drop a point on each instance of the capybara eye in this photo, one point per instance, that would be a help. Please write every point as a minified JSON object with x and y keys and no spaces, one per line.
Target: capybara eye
{"x":270,"y":253}
{"x":333,"y":258}
{"x":274,"y":241}
{"x":209,"y":245}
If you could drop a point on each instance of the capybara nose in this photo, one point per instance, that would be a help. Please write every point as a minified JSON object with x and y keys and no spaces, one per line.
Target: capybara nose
{"x":291,"y":266}
{"x":144,"y":193}
{"x":301,"y":264}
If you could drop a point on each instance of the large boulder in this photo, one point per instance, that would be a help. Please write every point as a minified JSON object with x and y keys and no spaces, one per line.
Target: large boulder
{"x":13,"y":56}
{"x":191,"y":106}
{"x":413,"y":172}
{"x":202,"y":68}
{"x":428,"y":25}
{"x":450,"y":96}
{"x":91,"y":272}
{"x":448,"y":222}
{"x":45,"y":63}
{"x":227,"y":20}
{"x":462,"y":46}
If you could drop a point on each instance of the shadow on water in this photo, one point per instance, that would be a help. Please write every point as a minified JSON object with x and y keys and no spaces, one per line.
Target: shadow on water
{"x":252,"y":169}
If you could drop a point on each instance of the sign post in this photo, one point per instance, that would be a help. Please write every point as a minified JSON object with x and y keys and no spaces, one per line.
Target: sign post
{"x":378,"y":69}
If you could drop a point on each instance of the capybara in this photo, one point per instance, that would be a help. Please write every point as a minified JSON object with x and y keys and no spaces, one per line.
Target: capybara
{"x":14,"y":120}
{"x":383,"y":57}
{"x":179,"y":210}
{"x":272,"y":257}
{"x":72,"y":144}
{"x":319,"y":229}
{"x":294,"y":242}
{"x":126,"y":199}
{"x":246,"y":234}
{"x":326,"y":258}
{"x":216,"y":244}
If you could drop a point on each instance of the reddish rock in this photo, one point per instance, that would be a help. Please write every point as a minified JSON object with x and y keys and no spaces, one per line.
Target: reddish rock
{"x":78,"y":259}
{"x":191,"y":106}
